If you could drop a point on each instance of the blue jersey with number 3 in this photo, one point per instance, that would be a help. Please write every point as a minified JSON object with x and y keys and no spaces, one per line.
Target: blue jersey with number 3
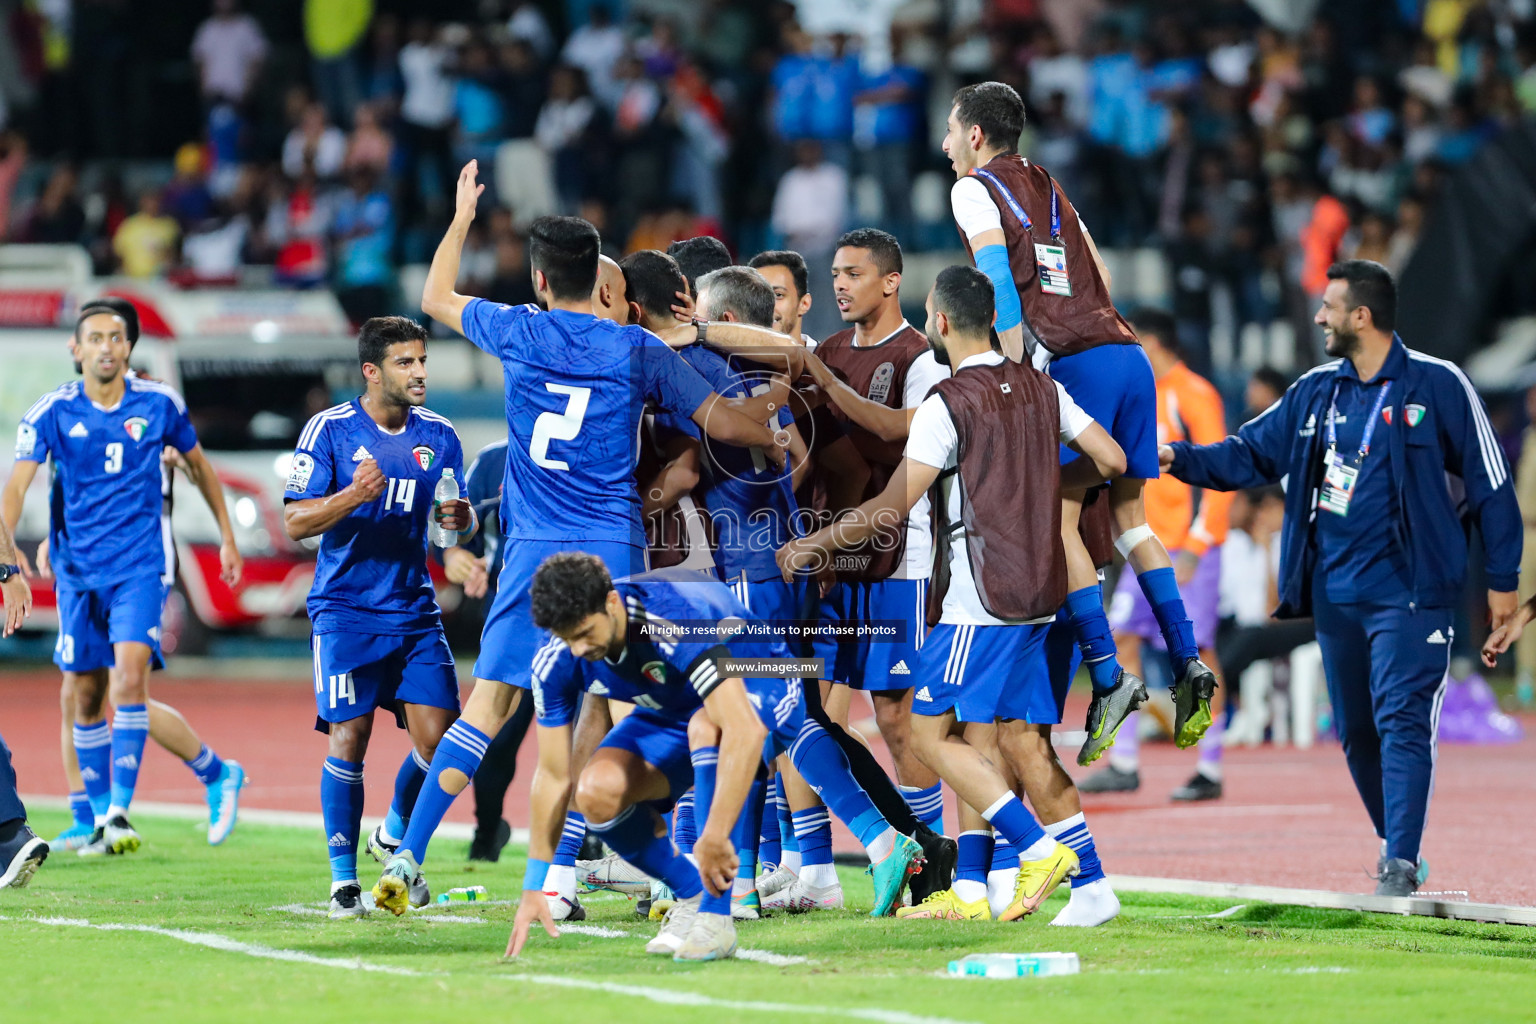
{"x":371,"y":574}
{"x":576,"y":388}
{"x":112,"y":526}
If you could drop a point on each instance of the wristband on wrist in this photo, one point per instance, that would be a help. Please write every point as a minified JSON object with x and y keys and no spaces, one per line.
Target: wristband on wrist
{"x":534,"y":874}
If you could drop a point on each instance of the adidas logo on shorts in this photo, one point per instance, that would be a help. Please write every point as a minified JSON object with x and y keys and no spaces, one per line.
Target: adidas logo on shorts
{"x":923,"y":694}
{"x":597,"y":689}
{"x":900,"y":668}
{"x":1436,"y":637}
{"x":337,"y":840}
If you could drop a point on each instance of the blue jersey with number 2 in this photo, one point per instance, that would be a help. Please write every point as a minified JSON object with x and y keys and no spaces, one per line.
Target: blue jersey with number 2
{"x":576,"y":387}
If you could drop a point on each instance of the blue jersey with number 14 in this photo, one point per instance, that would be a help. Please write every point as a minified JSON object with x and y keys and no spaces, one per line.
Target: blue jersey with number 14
{"x":576,"y":387}
{"x":371,"y":574}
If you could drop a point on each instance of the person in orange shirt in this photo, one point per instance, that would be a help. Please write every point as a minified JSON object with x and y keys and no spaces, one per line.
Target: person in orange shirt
{"x":1188,"y":409}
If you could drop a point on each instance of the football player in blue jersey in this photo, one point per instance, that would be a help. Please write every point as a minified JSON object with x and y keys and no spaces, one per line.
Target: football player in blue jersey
{"x":576,"y":385}
{"x":362,"y":480}
{"x":223,"y":780}
{"x":110,"y":552}
{"x":656,"y":641}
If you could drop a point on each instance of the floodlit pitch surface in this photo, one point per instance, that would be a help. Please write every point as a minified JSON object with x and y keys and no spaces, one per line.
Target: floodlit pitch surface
{"x":184,"y":932}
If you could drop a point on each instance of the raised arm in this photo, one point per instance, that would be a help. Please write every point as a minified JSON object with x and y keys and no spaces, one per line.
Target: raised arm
{"x":201,"y":472}
{"x":439,"y":299}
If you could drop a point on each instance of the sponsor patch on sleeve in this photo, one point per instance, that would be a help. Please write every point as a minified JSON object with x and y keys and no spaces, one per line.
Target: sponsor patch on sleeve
{"x":26,"y":441}
{"x":299,"y":473}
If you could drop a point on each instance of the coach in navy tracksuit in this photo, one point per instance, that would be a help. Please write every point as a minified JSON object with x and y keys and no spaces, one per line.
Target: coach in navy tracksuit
{"x":1388,"y":453}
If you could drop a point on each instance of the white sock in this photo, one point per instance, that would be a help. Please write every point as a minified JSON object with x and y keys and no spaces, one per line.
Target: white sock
{"x":1039,"y":849}
{"x":1090,"y":906}
{"x":791,"y":861}
{"x":744,"y":884}
{"x":820,"y":876}
{"x":340,"y":884}
{"x":881,"y":846}
{"x":1210,"y":769}
{"x":1000,"y":885}
{"x":113,"y":812}
{"x":386,"y":835}
{"x":970,"y":890}
{"x":561,"y":879}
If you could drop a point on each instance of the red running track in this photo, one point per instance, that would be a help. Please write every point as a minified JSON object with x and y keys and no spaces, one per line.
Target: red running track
{"x":1289,"y":818}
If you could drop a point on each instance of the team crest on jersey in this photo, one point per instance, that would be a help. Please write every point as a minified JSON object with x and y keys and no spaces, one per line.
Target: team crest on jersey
{"x":656,"y":672}
{"x":424,"y":456}
{"x":880,"y":383}
{"x":136,"y":426}
{"x":1414,"y":414}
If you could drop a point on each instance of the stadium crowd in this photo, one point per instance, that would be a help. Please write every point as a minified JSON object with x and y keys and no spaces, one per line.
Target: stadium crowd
{"x":1249,"y":153}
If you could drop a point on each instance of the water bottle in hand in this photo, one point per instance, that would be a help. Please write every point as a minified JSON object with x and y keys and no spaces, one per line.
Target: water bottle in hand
{"x":447,"y":490}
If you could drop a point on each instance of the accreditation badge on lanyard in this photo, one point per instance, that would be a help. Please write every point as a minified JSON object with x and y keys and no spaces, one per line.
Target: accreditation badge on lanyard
{"x":1340,"y":475}
{"x":1050,"y":258}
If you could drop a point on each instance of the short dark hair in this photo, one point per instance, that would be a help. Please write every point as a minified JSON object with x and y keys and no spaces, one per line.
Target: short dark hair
{"x":883,"y":248}
{"x":121,"y":307}
{"x":965,"y":295}
{"x":652,"y":280}
{"x":565,"y":251}
{"x":1271,"y":378}
{"x":1158,"y":324}
{"x":1371,"y":286}
{"x":995,"y":108}
{"x":790,"y":261}
{"x":698,"y":256}
{"x":739,"y":290}
{"x":380,"y":332}
{"x":568,"y":587}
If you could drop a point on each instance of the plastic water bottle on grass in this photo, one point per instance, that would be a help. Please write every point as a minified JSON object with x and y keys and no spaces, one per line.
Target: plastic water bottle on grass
{"x":1014,"y":965}
{"x":447,"y":490}
{"x":466,"y":893}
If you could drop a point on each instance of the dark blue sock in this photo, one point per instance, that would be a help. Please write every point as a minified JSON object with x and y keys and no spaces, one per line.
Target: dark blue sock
{"x":682,"y":822}
{"x":1074,"y":832}
{"x":1086,"y":607}
{"x":571,"y":838}
{"x":130,"y":729}
{"x":341,"y":805}
{"x":749,"y":826}
{"x":1162,"y":590}
{"x":462,"y":747}
{"x":93,"y":749}
{"x":207,"y":766}
{"x":927,"y":804}
{"x":80,"y":809}
{"x":408,"y":780}
{"x":1014,"y":822}
{"x":1004,"y":856}
{"x":814,"y":830}
{"x":974,"y":859}
{"x":704,"y":761}
{"x":770,"y":844}
{"x":816,"y":755}
{"x":632,"y":835}
{"x":787,"y":838}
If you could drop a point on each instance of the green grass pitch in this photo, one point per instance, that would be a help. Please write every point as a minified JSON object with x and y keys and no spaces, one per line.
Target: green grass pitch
{"x":222,"y":935}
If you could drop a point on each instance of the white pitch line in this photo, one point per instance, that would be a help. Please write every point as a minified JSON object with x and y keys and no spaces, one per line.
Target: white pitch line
{"x":762,"y":956}
{"x":261,"y":816}
{"x":670,"y":997}
{"x":592,"y":929}
{"x":1493,"y":913}
{"x":1204,"y":917}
